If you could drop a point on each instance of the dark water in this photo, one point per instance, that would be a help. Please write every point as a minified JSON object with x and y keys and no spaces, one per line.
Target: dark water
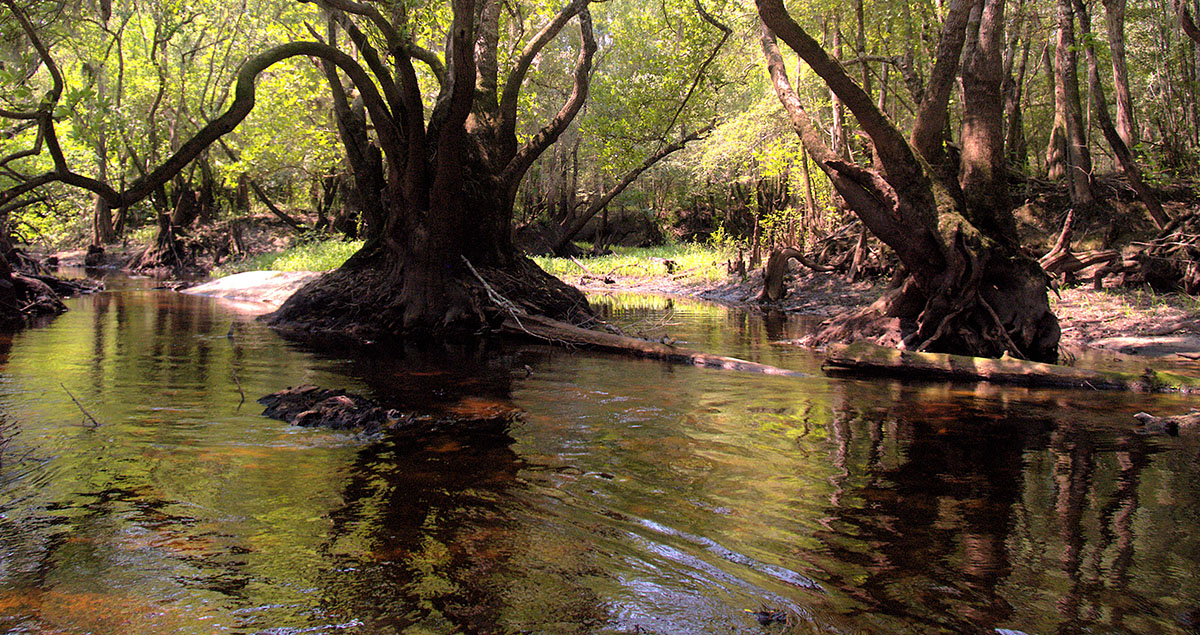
{"x":633,"y":496}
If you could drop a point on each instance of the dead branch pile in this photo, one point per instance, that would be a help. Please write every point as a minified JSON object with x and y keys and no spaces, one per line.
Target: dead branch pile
{"x":1169,"y":262}
{"x":849,"y":250}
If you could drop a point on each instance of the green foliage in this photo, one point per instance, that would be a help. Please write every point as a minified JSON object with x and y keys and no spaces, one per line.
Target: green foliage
{"x":312,"y":255}
{"x":693,"y":263}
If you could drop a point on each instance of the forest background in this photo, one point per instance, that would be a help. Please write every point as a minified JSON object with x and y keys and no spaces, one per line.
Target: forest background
{"x":682,"y":137}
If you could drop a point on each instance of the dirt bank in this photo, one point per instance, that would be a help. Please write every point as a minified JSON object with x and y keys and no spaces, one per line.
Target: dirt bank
{"x":1127,"y":321}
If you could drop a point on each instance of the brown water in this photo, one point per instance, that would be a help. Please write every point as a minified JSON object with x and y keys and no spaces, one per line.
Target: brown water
{"x":633,"y":497}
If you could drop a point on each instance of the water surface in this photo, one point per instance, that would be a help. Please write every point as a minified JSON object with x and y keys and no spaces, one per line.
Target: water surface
{"x":631,"y":497}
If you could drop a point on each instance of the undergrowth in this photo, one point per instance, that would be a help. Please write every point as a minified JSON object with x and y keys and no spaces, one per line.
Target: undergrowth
{"x":317,"y":255}
{"x":692,"y":262}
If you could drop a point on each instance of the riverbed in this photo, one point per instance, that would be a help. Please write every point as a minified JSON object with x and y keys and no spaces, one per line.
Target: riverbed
{"x":630,"y":496}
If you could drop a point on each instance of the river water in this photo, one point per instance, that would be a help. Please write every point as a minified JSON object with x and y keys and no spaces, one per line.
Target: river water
{"x":631,"y":496}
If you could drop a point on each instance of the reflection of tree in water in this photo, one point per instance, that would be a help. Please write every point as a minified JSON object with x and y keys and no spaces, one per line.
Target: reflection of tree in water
{"x":432,"y":531}
{"x":931,"y":498}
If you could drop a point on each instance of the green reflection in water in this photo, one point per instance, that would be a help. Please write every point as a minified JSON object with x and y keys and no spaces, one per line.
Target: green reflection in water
{"x":632,"y":495}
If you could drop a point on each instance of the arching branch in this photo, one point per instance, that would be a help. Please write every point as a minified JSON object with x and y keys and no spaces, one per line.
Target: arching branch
{"x":430,"y":59}
{"x":873,"y":198}
{"x":519,"y":164}
{"x":243,"y":103}
{"x":397,"y":101}
{"x":1185,"y":21}
{"x":893,"y":149}
{"x":512,"y":86}
{"x":371,"y":13}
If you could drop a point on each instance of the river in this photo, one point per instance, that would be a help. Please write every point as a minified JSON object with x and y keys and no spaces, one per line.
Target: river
{"x":630,"y":496}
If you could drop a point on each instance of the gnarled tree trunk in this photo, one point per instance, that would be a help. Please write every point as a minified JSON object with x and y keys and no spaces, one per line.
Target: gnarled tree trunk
{"x":442,"y":259}
{"x":964,"y":291}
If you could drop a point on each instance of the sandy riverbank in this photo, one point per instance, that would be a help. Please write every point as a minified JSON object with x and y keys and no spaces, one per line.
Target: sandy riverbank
{"x":1121,"y":320}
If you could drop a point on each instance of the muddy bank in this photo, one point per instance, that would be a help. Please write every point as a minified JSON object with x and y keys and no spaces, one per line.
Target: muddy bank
{"x":1127,"y":321}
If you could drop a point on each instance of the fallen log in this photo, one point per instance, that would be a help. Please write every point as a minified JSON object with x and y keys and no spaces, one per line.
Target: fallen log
{"x":863,"y":358}
{"x":1068,"y":263}
{"x":1170,"y":426}
{"x":550,"y":330}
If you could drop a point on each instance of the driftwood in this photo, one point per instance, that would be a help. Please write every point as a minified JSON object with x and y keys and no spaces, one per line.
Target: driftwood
{"x":1168,"y":263}
{"x":1060,"y":260}
{"x":95,"y":423}
{"x":1172,"y":425}
{"x":311,"y":406}
{"x":563,"y":333}
{"x":868,"y":359}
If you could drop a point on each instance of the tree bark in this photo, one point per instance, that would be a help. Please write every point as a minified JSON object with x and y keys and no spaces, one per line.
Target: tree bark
{"x":982,"y":176}
{"x":1114,"y":19}
{"x":964,"y":292}
{"x":928,"y":132}
{"x":1068,"y":115}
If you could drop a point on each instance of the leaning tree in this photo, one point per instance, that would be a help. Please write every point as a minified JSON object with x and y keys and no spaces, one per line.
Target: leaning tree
{"x":439,"y":171}
{"x":966,"y":287}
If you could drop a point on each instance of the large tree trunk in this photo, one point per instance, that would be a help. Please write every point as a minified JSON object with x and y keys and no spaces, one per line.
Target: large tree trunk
{"x":982,"y":176}
{"x":1114,"y":19}
{"x":1069,"y":138}
{"x":964,"y":291}
{"x":443,"y":260}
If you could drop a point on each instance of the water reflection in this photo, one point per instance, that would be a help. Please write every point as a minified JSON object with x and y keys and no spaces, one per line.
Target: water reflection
{"x":631,"y":496}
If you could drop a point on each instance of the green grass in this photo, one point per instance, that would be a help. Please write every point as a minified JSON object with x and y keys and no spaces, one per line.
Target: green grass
{"x":320,"y":255}
{"x":694,"y":262}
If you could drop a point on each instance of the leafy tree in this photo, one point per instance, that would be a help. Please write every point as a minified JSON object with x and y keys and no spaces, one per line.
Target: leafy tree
{"x":968,"y":289}
{"x":442,"y":251}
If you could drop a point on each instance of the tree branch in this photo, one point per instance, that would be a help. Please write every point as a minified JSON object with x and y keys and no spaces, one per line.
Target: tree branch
{"x":243,"y":103}
{"x":930,"y":122}
{"x":872,"y":197}
{"x":519,"y":164}
{"x":726,"y":32}
{"x":603,"y":200}
{"x":395,"y":99}
{"x":509,"y":97}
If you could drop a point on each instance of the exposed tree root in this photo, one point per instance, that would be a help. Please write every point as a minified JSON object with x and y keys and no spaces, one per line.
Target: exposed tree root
{"x":990,"y":306}
{"x":369,"y":299}
{"x":28,"y":298}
